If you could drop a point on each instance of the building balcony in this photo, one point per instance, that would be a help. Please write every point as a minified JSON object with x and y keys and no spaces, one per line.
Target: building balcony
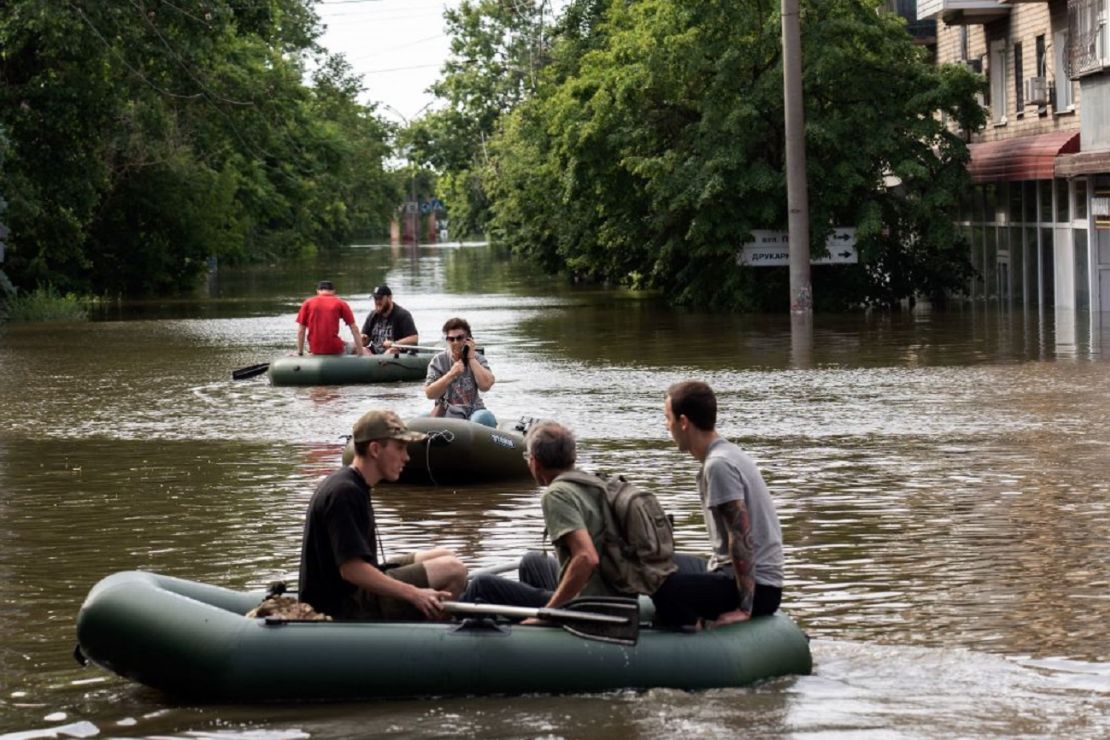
{"x":963,"y":12}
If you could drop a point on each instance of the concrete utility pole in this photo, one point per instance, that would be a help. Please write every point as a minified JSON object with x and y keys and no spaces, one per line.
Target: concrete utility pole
{"x":797,"y":200}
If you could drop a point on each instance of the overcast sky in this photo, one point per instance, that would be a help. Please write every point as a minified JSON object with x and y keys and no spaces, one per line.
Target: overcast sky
{"x":398,"y":46}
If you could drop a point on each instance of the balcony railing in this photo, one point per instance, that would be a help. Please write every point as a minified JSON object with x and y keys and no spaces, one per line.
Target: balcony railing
{"x":1086,"y":37}
{"x":963,"y":12}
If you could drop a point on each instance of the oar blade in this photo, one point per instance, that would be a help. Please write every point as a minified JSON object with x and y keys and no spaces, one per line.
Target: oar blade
{"x":622,"y":627}
{"x":607,"y":619}
{"x":250,"y":371}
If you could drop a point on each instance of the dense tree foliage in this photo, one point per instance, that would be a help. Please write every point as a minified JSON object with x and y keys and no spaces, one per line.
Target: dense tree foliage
{"x":498,"y":52}
{"x":654,"y":145}
{"x":148,"y":136}
{"x":6,"y":287}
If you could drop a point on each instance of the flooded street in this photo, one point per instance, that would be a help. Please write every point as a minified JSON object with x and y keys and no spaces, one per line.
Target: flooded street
{"x":941,"y":478}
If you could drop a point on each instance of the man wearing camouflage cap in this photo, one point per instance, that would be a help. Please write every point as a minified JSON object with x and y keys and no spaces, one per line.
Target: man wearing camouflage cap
{"x":341,"y":574}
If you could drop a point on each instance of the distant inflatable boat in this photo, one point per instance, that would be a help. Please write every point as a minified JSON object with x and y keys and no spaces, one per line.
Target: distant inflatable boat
{"x":458,"y":451}
{"x":349,"y":369}
{"x":192,"y":640}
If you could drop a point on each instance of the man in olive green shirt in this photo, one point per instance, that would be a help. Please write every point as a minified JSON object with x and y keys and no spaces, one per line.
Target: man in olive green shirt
{"x":575,"y":523}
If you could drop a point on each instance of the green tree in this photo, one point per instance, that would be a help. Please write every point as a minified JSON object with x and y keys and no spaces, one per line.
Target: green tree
{"x":148,"y":136}
{"x":660,"y":150}
{"x":7,"y":290}
{"x":499,"y":51}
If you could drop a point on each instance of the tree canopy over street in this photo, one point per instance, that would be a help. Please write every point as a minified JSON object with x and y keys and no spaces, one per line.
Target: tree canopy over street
{"x":147,"y":136}
{"x":634,"y":143}
{"x":655,"y":144}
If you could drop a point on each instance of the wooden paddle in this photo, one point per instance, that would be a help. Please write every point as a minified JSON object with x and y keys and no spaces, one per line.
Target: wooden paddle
{"x":250,"y":371}
{"x":603,"y":618}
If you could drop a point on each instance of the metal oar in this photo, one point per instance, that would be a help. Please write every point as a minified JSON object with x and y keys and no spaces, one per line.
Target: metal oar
{"x":604,"y":618}
{"x":415,"y":348}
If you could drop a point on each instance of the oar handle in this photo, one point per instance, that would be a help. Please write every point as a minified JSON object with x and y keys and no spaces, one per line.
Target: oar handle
{"x":421,"y":348}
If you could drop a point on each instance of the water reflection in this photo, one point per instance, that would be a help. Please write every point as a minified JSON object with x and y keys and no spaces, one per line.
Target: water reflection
{"x":941,"y":478}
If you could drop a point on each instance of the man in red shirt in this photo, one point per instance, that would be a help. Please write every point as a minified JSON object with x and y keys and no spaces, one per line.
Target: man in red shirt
{"x":319,"y":316}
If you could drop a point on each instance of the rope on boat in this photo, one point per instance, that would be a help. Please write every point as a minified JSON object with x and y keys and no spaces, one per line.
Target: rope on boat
{"x":448,"y":437}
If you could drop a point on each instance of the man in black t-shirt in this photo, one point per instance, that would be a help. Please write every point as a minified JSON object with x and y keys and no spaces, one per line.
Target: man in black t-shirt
{"x":341,"y":574}
{"x":389,"y":325}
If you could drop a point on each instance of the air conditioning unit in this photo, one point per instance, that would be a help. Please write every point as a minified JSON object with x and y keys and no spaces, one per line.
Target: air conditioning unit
{"x":1036,"y":91}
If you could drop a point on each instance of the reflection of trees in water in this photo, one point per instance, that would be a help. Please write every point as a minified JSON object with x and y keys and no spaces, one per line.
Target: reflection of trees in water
{"x":492,"y":522}
{"x":616,"y":328}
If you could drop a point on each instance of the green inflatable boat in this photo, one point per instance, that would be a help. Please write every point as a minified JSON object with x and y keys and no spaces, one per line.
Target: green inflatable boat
{"x":191,"y":639}
{"x":458,"y":452}
{"x":349,"y":369}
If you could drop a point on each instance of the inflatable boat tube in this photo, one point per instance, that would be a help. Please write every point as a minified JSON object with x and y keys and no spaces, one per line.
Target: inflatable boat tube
{"x":459,"y":452}
{"x":348,"y":369}
{"x":191,"y":639}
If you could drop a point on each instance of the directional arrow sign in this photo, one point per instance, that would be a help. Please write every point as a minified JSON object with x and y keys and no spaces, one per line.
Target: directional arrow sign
{"x":772,"y":249}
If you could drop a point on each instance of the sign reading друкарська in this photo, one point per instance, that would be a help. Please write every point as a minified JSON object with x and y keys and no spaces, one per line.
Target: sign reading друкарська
{"x":770,"y":248}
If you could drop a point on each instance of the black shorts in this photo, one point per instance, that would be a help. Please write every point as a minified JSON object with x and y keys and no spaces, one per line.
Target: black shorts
{"x":364,"y":605}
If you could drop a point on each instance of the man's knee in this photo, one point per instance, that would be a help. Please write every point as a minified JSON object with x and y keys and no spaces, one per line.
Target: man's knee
{"x":539,"y":569}
{"x":482,"y":587}
{"x":446,"y":573}
{"x":438,"y":552}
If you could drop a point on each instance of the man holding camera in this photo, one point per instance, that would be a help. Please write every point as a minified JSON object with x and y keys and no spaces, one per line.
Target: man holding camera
{"x":389,"y":325}
{"x":456,"y":375}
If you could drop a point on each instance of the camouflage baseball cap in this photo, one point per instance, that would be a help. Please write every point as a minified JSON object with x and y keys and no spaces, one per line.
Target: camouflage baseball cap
{"x":381,"y":424}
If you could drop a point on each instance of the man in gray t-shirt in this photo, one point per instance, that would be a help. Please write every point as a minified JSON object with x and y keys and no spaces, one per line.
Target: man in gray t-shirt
{"x":457,"y":375}
{"x":744,"y":576}
{"x":729,"y":474}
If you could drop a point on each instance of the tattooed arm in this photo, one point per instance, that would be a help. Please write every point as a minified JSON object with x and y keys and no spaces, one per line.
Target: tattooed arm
{"x":739,"y":527}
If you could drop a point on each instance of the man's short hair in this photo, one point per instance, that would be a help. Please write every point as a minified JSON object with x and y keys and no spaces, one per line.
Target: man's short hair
{"x":325,"y":285}
{"x":552,"y":445}
{"x":696,"y":401}
{"x":457,"y":323}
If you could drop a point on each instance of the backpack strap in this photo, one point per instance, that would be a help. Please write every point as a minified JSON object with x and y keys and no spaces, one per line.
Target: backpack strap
{"x":581,"y":476}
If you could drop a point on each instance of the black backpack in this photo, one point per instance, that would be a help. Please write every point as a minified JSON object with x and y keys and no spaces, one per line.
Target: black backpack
{"x":638,"y":548}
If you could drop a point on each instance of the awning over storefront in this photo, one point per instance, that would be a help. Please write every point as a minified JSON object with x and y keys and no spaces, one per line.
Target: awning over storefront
{"x":1023,"y":158}
{"x":1083,"y":163}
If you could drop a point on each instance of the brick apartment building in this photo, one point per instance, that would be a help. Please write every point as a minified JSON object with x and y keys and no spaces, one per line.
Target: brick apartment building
{"x":1039,"y":216}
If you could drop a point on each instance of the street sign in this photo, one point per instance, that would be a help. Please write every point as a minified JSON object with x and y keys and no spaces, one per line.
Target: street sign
{"x":771,"y":248}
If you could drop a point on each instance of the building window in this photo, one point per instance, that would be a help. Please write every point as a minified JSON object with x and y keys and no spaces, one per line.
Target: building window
{"x":998,"y":81}
{"x":1048,"y":269}
{"x":1015,"y":202}
{"x":1019,"y":94}
{"x":1041,"y":64}
{"x":1082,"y":287}
{"x":1062,"y":211}
{"x":1061,"y":67}
{"x":1080,"y":199}
{"x":1030,"y":198}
